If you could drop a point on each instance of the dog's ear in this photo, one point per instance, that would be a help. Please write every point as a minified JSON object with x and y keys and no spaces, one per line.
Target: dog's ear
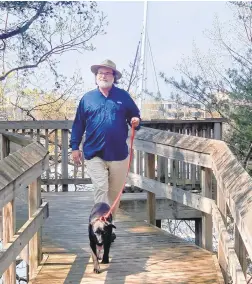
{"x":110,"y":224}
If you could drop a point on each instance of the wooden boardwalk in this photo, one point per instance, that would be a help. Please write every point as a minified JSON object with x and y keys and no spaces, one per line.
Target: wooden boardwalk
{"x":140,"y":254}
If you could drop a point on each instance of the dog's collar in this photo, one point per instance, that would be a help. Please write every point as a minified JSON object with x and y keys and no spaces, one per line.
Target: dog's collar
{"x":102,"y":219}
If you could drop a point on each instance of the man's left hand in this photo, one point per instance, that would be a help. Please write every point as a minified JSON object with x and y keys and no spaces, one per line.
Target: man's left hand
{"x":135,"y":121}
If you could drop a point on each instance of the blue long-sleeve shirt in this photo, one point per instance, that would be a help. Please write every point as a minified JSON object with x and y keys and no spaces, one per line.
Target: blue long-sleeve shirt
{"x":105,"y":121}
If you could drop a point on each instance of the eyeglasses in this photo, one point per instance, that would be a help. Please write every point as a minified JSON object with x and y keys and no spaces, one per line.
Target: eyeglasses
{"x":105,"y":74}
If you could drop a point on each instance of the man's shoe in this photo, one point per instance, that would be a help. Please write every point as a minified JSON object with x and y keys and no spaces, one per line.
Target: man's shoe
{"x":113,"y":237}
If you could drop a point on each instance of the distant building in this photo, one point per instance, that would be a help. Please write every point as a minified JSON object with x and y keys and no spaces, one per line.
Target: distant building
{"x":170,"y":109}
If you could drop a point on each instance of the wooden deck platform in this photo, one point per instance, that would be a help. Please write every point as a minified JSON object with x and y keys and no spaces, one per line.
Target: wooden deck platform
{"x":140,"y":254}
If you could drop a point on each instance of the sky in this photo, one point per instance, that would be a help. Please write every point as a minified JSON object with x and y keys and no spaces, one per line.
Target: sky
{"x":174,"y":28}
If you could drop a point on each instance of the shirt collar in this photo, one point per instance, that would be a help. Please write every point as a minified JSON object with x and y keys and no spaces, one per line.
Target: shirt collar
{"x":110,"y":92}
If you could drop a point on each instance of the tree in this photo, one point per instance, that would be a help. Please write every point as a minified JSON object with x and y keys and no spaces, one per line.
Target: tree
{"x":225,"y":91}
{"x":34,"y":33}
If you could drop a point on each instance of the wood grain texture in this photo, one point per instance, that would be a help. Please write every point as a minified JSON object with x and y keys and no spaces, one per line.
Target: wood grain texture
{"x":140,"y":254}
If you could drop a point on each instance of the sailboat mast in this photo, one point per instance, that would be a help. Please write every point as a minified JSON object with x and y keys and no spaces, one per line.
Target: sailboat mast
{"x":143,"y":50}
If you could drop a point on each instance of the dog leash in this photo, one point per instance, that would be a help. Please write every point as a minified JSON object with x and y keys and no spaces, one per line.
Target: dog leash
{"x":105,"y":217}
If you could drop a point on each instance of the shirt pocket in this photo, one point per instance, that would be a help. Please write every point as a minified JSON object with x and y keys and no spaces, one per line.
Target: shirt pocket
{"x":118,"y":109}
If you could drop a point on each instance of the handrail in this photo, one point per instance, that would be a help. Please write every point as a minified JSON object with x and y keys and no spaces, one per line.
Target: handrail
{"x":234,"y":189}
{"x":17,"y":171}
{"x":233,"y":181}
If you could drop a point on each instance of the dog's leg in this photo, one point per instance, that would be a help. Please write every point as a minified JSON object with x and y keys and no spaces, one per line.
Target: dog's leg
{"x":94,"y":257}
{"x":107,"y":244}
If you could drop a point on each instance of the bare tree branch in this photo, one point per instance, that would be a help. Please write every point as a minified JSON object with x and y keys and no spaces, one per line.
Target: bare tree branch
{"x":26,"y":26}
{"x":64,"y":47}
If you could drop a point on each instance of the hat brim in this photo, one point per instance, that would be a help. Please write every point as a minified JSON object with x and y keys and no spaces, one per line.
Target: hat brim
{"x":94,"y":69}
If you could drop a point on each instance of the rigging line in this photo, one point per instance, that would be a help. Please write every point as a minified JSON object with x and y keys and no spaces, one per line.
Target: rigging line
{"x":137,"y":71}
{"x":134,"y":64}
{"x":145,"y":70}
{"x":152,"y":60}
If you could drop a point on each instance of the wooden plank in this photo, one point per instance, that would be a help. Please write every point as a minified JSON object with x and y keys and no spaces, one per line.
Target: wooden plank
{"x":138,"y":162}
{"x":235,"y":182}
{"x":16,"y":138}
{"x":34,"y":201}
{"x":66,"y":181}
{"x":5,"y":146}
{"x":177,"y":194}
{"x":67,"y":124}
{"x":151,"y":199}
{"x":174,"y":153}
{"x":8,"y":221}
{"x":240,"y":250}
{"x":38,"y":124}
{"x":47,"y":148}
{"x":217,"y":132}
{"x":56,"y":154}
{"x":207,"y":222}
{"x":193,"y":175}
{"x":198,"y":232}
{"x":9,"y":190}
{"x":228,"y":252}
{"x":22,"y":237}
{"x":135,"y":205}
{"x":183,"y":183}
{"x":174,"y":179}
{"x":162,"y":168}
{"x":176,"y":171}
{"x":179,"y":142}
{"x":141,"y":167}
{"x":221,"y":203}
{"x":133,"y":161}
{"x":64,"y":161}
{"x":9,"y":274}
{"x":151,"y":255}
{"x":38,"y":135}
{"x":5,"y":150}
{"x":83,"y":169}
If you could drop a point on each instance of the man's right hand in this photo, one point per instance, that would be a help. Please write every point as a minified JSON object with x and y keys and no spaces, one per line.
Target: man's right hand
{"x":77,"y":157}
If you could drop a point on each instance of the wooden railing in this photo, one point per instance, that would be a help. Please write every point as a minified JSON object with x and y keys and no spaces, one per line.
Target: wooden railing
{"x":225,"y":187}
{"x":233,"y":192}
{"x":54,"y":135}
{"x":18,"y":170}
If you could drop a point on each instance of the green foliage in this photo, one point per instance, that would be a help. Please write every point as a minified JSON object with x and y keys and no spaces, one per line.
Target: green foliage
{"x":227,"y":92}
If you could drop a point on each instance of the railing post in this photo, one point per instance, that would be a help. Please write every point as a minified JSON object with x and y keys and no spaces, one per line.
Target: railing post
{"x":151,"y":198}
{"x":8,"y":219}
{"x":64,"y":162}
{"x":240,"y":250}
{"x":132,"y":165}
{"x":222,"y":206}
{"x":198,"y":231}
{"x":56,"y":159}
{"x":3,"y":149}
{"x":9,"y":275}
{"x":34,"y":200}
{"x":162,"y":169}
{"x":47,"y":148}
{"x":217,"y":131}
{"x":207,"y":222}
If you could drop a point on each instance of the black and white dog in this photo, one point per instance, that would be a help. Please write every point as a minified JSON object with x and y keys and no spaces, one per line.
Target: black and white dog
{"x":100,"y":233}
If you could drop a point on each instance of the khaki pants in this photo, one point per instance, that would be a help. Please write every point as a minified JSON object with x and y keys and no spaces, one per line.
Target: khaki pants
{"x":108,"y":179}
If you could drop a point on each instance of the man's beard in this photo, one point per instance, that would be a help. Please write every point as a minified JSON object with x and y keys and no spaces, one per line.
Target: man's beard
{"x":104,"y":84}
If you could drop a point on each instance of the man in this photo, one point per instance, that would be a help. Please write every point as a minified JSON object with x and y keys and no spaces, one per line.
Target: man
{"x":104,"y":114}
